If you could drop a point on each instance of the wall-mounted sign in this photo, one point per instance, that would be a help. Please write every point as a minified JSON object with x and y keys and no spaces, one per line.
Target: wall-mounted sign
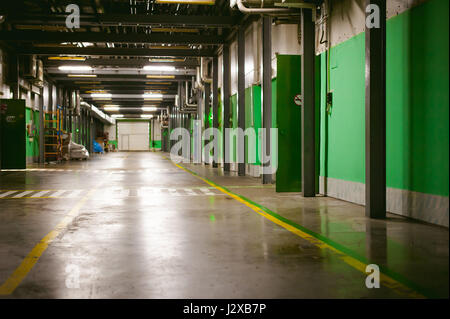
{"x":298,"y":99}
{"x":11,"y":119}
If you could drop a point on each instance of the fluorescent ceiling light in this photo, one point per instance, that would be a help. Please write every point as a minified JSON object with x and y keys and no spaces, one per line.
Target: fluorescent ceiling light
{"x":117,"y":115}
{"x":106,"y":95}
{"x":159,"y":68}
{"x":146,"y":116}
{"x":150,"y":76}
{"x":110,"y":105}
{"x":82,"y":75}
{"x":149,"y":108}
{"x":111,"y":108}
{"x":75,"y":68}
{"x":165,"y":60}
{"x":152,"y":95}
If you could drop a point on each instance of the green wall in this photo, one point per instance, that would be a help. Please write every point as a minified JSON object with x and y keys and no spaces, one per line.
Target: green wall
{"x":417,"y":103}
{"x":32,"y":148}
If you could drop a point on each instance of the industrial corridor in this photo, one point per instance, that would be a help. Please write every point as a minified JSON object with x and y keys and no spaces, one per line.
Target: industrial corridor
{"x":216,"y":158}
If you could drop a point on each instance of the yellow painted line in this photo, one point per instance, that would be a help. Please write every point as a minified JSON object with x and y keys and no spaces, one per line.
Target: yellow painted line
{"x":32,"y":258}
{"x":385,"y":280}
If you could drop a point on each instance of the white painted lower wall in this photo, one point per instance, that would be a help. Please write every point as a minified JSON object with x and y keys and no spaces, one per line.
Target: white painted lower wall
{"x":425,"y":207}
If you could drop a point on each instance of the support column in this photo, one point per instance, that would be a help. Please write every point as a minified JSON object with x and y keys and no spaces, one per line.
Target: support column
{"x":376,"y":113}
{"x":241,"y":97}
{"x":169,"y":129}
{"x":267,"y":92}
{"x":308,"y":108}
{"x":15,"y":62}
{"x":206,"y":115}
{"x":215,"y":104}
{"x":41,"y":127}
{"x":226,"y":84}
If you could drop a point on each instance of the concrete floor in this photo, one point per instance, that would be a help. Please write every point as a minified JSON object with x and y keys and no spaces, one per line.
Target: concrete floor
{"x":140,"y":227}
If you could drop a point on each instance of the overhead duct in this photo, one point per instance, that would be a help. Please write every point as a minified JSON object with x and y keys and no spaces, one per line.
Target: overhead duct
{"x":261,"y":10}
{"x":261,"y":7}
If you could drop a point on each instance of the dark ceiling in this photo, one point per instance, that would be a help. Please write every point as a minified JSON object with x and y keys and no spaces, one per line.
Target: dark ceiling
{"x":117,"y":38}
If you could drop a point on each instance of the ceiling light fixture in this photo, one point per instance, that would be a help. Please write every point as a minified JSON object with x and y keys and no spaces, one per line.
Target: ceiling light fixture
{"x":111,"y":108}
{"x":117,"y":115}
{"x":152,"y":95}
{"x":82,"y":75}
{"x":102,"y":95}
{"x":159,"y":68}
{"x":149,"y":108}
{"x":146,"y":116}
{"x":165,"y":60}
{"x":75,"y":68}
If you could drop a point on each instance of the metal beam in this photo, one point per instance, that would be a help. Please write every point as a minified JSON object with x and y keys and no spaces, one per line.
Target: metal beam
{"x":120,"y":78}
{"x":376,"y":114}
{"x":215,"y":104}
{"x":226,"y":103}
{"x":111,"y":62}
{"x":96,"y":37}
{"x":203,"y":21}
{"x":115,"y":51}
{"x":241,"y":97}
{"x":308,"y":108}
{"x":267,"y":90}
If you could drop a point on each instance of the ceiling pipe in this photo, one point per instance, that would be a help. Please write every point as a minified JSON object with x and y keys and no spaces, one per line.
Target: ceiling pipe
{"x":186,"y":96}
{"x":203,"y":77}
{"x":244,"y":9}
{"x":199,"y":79}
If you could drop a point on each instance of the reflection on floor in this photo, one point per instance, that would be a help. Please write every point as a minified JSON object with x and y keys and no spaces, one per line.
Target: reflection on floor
{"x":136,"y":226}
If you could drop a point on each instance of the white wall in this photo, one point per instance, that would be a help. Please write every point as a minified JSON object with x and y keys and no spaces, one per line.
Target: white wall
{"x":284,"y":41}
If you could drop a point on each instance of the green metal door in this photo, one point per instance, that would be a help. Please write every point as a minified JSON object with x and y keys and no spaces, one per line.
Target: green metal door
{"x":13,"y":147}
{"x":288,"y":176}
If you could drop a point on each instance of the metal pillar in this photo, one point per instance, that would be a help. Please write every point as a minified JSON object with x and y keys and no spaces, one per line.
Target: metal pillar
{"x":16,"y":77}
{"x":267,"y":89}
{"x":215,"y":104}
{"x":241,"y":96}
{"x":226,"y":103}
{"x":376,"y":114}
{"x":41,"y":127}
{"x":170,"y":128}
{"x":308,"y":108}
{"x":206,"y":116}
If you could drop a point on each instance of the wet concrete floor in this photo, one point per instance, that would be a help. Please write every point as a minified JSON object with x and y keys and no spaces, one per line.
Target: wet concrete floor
{"x":133,"y":225}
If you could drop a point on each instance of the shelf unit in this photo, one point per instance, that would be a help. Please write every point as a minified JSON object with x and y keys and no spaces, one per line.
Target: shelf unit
{"x":52,"y":135}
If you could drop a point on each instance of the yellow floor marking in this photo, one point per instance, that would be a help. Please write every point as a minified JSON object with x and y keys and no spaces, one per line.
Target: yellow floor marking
{"x":32,"y":258}
{"x":387,"y":281}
